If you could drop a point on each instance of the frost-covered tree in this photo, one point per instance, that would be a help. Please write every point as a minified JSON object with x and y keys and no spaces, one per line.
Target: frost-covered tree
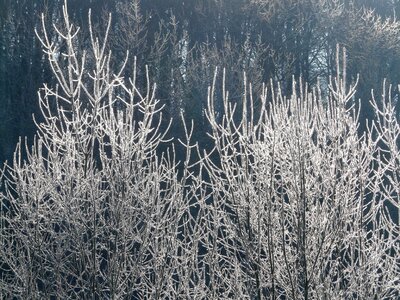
{"x":91,"y":210}
{"x":301,"y":200}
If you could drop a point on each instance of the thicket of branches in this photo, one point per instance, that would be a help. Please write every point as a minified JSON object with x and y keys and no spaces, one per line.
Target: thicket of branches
{"x":294,"y":197}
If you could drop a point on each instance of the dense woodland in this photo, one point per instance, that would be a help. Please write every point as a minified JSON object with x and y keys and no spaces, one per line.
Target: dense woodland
{"x":183,"y":42}
{"x":203,"y":149}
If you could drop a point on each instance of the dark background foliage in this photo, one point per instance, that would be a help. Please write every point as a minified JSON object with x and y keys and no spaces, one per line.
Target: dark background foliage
{"x":183,"y":42}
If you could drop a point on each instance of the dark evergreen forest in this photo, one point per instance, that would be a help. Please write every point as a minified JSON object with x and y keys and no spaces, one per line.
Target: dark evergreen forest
{"x":183,"y":42}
